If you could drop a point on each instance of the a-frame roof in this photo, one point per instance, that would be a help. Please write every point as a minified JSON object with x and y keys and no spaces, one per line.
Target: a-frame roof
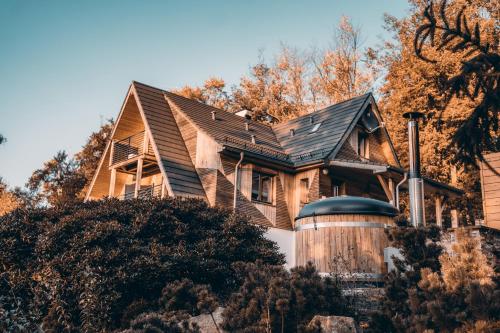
{"x":167,"y":141}
{"x":275,"y":142}
{"x":335,"y":121}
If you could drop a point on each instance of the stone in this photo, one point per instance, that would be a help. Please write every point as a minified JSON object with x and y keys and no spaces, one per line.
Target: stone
{"x":206,"y":324}
{"x":335,"y":324}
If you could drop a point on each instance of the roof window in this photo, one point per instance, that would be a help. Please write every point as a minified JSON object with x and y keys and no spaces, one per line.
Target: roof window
{"x":315,"y":128}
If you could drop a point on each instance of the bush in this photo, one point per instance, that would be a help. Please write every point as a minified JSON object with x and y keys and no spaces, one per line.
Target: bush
{"x":435,"y":291}
{"x":83,"y":267}
{"x":272,"y":299}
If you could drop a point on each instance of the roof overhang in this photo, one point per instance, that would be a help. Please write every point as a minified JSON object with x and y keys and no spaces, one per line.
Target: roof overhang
{"x":431,"y":186}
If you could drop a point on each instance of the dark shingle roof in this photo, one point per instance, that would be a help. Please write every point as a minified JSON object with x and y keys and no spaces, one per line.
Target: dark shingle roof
{"x":335,"y":122}
{"x":275,"y":141}
{"x":229,"y":128}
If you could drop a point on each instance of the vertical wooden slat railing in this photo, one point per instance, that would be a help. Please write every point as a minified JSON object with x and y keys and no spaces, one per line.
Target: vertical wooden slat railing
{"x":130,"y":147}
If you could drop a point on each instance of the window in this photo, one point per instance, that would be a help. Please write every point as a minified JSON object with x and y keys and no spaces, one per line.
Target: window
{"x":315,"y":128}
{"x":363,"y":148}
{"x":262,"y":187}
{"x":338,"y":188}
{"x":304,"y":191}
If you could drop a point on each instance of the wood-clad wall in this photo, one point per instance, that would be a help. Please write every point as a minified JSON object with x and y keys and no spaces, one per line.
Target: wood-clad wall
{"x":362,"y":248}
{"x":490,"y":186}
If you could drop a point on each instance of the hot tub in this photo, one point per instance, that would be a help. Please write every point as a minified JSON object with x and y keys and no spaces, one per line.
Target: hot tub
{"x":344,"y":234}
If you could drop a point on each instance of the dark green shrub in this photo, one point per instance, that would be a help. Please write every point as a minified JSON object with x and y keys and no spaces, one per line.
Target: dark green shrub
{"x":273,"y":299}
{"x":83,"y":267}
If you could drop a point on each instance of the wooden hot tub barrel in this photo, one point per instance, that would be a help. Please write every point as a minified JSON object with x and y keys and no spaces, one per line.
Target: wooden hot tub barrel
{"x":346,"y":230}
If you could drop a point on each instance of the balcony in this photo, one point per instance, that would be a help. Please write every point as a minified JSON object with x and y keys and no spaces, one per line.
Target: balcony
{"x":146,"y":192}
{"x":130,"y":148}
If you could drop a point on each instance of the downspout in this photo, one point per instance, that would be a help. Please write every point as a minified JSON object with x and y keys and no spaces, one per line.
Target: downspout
{"x":236,"y":176}
{"x":397,"y":189}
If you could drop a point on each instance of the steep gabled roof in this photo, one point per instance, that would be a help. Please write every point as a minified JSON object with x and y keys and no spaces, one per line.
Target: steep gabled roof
{"x":274,"y":142}
{"x":228,"y":128}
{"x":336,"y":122}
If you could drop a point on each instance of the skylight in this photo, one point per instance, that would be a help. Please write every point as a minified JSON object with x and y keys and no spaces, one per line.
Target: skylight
{"x":315,"y":128}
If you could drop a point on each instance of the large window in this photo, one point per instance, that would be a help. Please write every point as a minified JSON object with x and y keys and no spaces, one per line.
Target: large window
{"x":262,"y":187}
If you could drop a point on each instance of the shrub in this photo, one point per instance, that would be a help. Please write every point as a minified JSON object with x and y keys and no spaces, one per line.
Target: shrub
{"x":272,"y":299}
{"x":435,"y":291}
{"x":84,"y":266}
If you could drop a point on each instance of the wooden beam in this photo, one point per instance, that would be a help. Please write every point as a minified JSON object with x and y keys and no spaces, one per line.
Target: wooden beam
{"x":392,"y":188}
{"x":138,"y":177}
{"x":439,"y":210}
{"x":386,"y":188}
{"x":454,"y":218}
{"x":163,"y":189}
{"x":112,"y":183}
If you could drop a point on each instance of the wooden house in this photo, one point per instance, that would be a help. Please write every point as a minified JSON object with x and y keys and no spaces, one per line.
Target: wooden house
{"x":490,"y":181}
{"x":164,"y":144}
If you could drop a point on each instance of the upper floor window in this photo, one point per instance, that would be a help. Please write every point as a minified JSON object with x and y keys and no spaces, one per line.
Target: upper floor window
{"x":363,"y":147}
{"x":262,"y":187}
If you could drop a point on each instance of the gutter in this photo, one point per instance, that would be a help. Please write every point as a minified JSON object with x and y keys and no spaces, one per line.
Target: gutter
{"x":236,"y":180}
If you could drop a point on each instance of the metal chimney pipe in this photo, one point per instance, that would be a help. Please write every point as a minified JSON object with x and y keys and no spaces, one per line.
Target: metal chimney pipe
{"x":415,"y":182}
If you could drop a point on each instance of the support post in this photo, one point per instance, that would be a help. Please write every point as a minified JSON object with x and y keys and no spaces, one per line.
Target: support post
{"x":387,"y":188}
{"x":145,"y":143}
{"x":393,"y":191}
{"x":454,"y":218}
{"x":454,"y":181}
{"x":439,"y":210}
{"x":112,"y":183}
{"x":138,"y":177}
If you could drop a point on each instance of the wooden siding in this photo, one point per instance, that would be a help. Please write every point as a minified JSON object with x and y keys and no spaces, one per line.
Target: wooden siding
{"x":176,"y":161}
{"x":361,"y":247}
{"x":100,"y":187}
{"x":282,"y":216}
{"x":491,"y":190}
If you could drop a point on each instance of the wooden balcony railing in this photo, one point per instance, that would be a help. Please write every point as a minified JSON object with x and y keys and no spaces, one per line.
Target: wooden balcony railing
{"x":130,"y":147}
{"x":145,"y":192}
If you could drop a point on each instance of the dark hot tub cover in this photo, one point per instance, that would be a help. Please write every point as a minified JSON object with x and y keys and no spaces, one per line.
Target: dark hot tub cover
{"x":347,"y":205}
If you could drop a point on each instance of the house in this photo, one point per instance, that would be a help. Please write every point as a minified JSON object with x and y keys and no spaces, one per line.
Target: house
{"x":164,"y":144}
{"x":490,"y":180}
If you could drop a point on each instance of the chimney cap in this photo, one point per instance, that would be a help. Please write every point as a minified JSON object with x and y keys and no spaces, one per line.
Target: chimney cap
{"x":415,"y":115}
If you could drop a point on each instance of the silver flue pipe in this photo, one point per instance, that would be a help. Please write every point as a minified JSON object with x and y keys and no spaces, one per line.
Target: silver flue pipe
{"x":415,"y":181}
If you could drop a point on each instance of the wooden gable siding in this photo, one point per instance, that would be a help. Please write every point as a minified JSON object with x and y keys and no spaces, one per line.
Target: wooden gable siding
{"x":379,"y":150}
{"x":282,"y":217}
{"x":291,"y":192}
{"x":176,"y":161}
{"x":188,"y":132}
{"x":490,"y":186}
{"x":100,"y":186}
{"x":314,"y":187}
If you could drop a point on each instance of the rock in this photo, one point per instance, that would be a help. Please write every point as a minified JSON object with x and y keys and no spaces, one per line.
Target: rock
{"x":205,"y":322}
{"x":335,"y":324}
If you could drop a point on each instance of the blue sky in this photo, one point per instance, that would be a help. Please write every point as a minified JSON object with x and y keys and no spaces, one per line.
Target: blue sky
{"x":65,"y":65}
